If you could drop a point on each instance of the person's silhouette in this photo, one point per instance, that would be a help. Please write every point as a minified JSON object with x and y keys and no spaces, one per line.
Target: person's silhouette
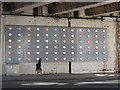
{"x":38,"y":67}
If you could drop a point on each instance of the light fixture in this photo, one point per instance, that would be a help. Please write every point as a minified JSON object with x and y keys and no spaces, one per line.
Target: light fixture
{"x":28,"y":29}
{"x":10,"y":28}
{"x":38,"y":40}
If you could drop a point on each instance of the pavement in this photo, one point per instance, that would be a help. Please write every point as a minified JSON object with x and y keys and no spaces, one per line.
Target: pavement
{"x":59,"y":77}
{"x":87,"y":80}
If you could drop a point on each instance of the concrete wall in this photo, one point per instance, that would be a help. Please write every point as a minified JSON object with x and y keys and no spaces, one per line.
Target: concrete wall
{"x":97,"y":67}
{"x":63,"y":67}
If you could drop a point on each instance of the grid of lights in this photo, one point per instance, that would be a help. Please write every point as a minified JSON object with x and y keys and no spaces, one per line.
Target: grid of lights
{"x":83,"y":44}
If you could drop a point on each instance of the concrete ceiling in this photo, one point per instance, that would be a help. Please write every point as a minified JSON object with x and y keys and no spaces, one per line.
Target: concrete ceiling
{"x":61,"y":8}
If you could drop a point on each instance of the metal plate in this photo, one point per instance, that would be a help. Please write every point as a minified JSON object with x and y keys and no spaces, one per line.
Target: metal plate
{"x":55,"y":44}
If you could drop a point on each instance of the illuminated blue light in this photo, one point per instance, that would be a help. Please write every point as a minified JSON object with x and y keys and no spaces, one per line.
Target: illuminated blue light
{"x":19,"y":28}
{"x":19,"y":59}
{"x":19,"y":53}
{"x":103,"y":36}
{"x":64,"y":53}
{"x":89,"y":53}
{"x":55,"y":29}
{"x":47,"y":59}
{"x":80,"y":41}
{"x":9,"y":59}
{"x":28,"y":47}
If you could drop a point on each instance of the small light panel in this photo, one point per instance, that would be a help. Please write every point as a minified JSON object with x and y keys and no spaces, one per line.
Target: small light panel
{"x":10,"y":47}
{"x":38,"y":29}
{"x":104,"y":58}
{"x":80,"y":35}
{"x":46,"y":41}
{"x":46,"y":35}
{"x":103,"y":47}
{"x":29,"y":34}
{"x":88,"y":47}
{"x":10,"y":34}
{"x":55,"y":58}
{"x":81,"y":58}
{"x":19,"y":47}
{"x":72,"y":30}
{"x":96,"y":36}
{"x":38,"y":47}
{"x":72,"y":41}
{"x":47,"y":59}
{"x":19,"y":53}
{"x":104,"y":53}
{"x":96,"y":30}
{"x":46,"y":46}
{"x":96,"y":47}
{"x":88,"y":30}
{"x":80,"y":41}
{"x":19,"y":59}
{"x":55,"y":29}
{"x":37,"y":53}
{"x":80,"y":30}
{"x":64,"y":41}
{"x":64,"y":30}
{"x":9,"y":59}
{"x":80,"y":47}
{"x":55,"y":35}
{"x":72,"y":53}
{"x":64,"y":35}
{"x":72,"y":47}
{"x":88,"y":41}
{"x":9,"y":53}
{"x":38,"y":41}
{"x":88,"y":53}
{"x":64,"y":53}
{"x":38,"y":35}
{"x":96,"y":58}
{"x":28,"y":59}
{"x":89,"y":58}
{"x":46,"y":52}
{"x":81,"y":53}
{"x":104,"y":41}
{"x":72,"y":35}
{"x":103,"y":31}
{"x":28,"y":47}
{"x":72,"y":58}
{"x":28,"y":40}
{"x":64,"y":47}
{"x":96,"y":53}
{"x":55,"y":41}
{"x":46,"y":29}
{"x":37,"y":59}
{"x":88,"y":36}
{"x":96,"y":41}
{"x":55,"y":53}
{"x":64,"y":59}
{"x":103,"y":36}
{"x":55,"y":47}
{"x":28,"y":29}
{"x":10,"y":40}
{"x":19,"y":28}
{"x":10,"y":28}
{"x":19,"y":41}
{"x":19,"y":34}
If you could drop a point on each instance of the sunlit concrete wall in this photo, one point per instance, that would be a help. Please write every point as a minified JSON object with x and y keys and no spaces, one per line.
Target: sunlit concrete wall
{"x":98,"y":67}
{"x":62,"y":67}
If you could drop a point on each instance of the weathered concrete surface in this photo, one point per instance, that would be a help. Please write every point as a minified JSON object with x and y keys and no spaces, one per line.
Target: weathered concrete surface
{"x":63,"y":67}
{"x":98,"y":67}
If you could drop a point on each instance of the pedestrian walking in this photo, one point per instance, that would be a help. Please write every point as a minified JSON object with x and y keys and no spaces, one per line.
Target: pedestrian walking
{"x":38,"y":67}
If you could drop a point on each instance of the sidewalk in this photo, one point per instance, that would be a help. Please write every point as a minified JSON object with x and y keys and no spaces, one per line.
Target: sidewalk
{"x":59,"y":77}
